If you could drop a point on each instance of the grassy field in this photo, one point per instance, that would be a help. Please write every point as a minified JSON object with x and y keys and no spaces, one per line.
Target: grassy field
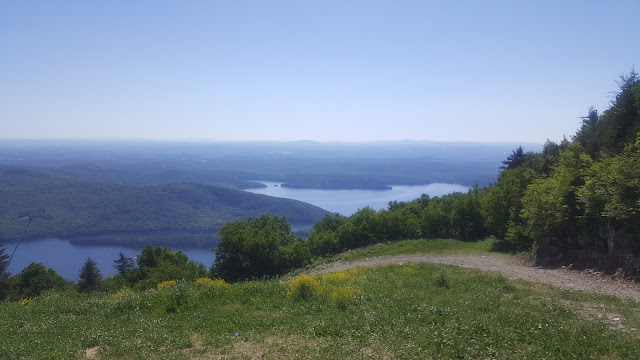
{"x":394,"y":311}
{"x":421,"y":246}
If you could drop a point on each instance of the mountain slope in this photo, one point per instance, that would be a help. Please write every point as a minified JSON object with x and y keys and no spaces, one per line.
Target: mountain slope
{"x":70,"y":208}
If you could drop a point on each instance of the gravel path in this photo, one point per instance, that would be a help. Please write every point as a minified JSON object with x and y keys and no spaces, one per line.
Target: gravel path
{"x":510,"y":267}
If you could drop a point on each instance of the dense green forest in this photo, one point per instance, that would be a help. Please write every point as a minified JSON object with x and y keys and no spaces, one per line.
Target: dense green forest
{"x":86,"y":211}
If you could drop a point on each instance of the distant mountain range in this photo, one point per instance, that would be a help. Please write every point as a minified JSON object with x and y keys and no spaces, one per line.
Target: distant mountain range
{"x":302,"y":164}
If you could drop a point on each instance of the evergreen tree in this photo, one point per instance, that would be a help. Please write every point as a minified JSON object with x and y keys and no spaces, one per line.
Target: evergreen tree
{"x":4,"y":263}
{"x":123,"y":264}
{"x":90,"y":277}
{"x":4,"y":275}
{"x":514,"y":160}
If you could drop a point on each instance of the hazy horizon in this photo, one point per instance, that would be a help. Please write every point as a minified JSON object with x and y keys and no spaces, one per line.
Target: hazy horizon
{"x":212,"y":140}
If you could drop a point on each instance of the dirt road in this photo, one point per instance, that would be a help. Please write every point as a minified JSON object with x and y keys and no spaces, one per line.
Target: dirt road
{"x":510,"y":267}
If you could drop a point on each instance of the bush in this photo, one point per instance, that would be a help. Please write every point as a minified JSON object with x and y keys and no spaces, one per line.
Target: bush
{"x":166,"y":284}
{"x":124,"y":292}
{"x":207,"y":282}
{"x":158,"y":263}
{"x":303,"y":287}
{"x":114,"y":283}
{"x":442,"y":280}
{"x":179,"y":297}
{"x":343,"y":296}
{"x":25,"y":301}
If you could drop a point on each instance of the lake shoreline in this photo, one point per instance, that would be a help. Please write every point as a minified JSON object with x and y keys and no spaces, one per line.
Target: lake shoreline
{"x":348,"y":201}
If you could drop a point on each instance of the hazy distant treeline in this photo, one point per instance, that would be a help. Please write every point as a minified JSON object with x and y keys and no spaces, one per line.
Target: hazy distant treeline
{"x":374,"y":165}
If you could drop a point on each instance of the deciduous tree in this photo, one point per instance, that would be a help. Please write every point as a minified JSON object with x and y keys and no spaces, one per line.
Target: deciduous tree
{"x":36,"y":278}
{"x":264,"y":246}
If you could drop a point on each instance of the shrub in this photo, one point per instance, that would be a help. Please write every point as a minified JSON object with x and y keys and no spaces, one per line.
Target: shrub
{"x":166,"y":284}
{"x":303,"y":287}
{"x":114,"y":283}
{"x":343,"y":296}
{"x":25,"y":301}
{"x":408,"y":270}
{"x":120,"y":294}
{"x":207,"y":282}
{"x":179,"y":297}
{"x":442,"y":280}
{"x":340,"y":275}
{"x":158,"y":264}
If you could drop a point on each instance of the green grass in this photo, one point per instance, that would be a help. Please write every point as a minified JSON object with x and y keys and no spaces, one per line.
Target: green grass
{"x":421,"y":246}
{"x":421,"y":311}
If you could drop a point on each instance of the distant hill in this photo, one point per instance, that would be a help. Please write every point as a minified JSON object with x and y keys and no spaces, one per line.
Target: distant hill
{"x":99,"y":212}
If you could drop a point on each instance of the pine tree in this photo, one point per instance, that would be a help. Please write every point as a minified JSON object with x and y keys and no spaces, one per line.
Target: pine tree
{"x":514,"y":160}
{"x":123,"y":264}
{"x":4,"y":275}
{"x":90,"y":277}
{"x":4,"y":263}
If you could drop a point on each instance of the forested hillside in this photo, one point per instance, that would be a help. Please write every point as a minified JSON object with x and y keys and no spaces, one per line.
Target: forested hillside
{"x":60,"y":206}
{"x":578,"y":200}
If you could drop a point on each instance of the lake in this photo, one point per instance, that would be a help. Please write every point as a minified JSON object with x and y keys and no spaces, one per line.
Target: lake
{"x":67,"y":259}
{"x":347,"y":202}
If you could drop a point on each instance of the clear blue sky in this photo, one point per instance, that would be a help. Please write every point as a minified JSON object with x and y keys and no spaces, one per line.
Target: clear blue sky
{"x":317,"y":70}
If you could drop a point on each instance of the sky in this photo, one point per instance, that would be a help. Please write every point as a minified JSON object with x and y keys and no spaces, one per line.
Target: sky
{"x":490,"y":71}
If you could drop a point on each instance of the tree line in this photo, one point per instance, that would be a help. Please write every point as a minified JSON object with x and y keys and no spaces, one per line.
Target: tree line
{"x":152,"y":266}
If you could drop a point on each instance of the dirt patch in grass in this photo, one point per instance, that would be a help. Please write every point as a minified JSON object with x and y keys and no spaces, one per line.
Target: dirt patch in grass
{"x":92,"y":353}
{"x":599,"y":312}
{"x":196,"y":343}
{"x":272,"y":347}
{"x":375,"y":352}
{"x":249,"y":349}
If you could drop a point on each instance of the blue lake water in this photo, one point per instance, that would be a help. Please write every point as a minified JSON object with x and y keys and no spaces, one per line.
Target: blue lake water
{"x":67,"y":259}
{"x":347,"y":202}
